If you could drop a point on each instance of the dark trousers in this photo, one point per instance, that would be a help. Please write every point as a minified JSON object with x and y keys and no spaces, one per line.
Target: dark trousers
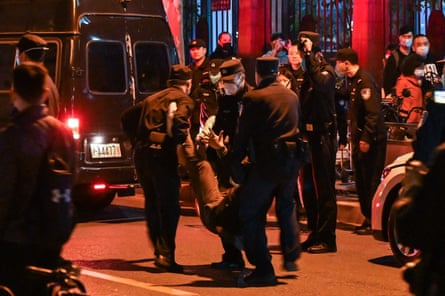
{"x":319,"y":196}
{"x":158,"y":174}
{"x":368,"y":168}
{"x":256,"y":195}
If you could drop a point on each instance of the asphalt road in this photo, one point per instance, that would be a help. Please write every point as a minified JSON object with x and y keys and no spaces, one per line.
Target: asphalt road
{"x":117,"y":259}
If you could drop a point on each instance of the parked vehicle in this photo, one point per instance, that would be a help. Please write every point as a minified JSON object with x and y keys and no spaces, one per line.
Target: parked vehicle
{"x":104,"y":56}
{"x":382,"y":224}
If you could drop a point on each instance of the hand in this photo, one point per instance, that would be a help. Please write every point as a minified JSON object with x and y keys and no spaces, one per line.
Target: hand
{"x":307,"y":44}
{"x":217,"y":141}
{"x":364,"y":146}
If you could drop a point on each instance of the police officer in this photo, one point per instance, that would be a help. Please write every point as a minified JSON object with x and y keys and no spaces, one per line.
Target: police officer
{"x":33,"y":48}
{"x":368,"y":132}
{"x":200,"y":67}
{"x":267,"y":133}
{"x":163,"y":125}
{"x":319,"y":128}
{"x":233,"y":79}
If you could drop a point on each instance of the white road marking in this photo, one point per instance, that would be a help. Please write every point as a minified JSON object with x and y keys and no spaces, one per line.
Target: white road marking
{"x":135,"y":283}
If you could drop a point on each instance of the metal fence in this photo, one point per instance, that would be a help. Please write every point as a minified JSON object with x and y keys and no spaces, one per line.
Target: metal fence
{"x":331,"y":18}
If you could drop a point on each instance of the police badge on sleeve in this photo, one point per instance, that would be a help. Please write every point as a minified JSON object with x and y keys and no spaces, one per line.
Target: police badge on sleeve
{"x":365,"y":93}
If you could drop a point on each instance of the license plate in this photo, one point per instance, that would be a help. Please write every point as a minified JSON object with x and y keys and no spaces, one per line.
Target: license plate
{"x":110,"y":150}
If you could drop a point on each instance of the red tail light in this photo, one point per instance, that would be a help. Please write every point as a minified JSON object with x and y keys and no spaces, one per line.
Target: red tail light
{"x":99,"y":186}
{"x":73,"y":124}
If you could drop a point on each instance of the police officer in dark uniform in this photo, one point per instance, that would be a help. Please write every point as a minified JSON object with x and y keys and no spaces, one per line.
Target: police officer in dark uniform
{"x":162,"y":125}
{"x":319,"y":127}
{"x":233,"y":79}
{"x":368,"y":132}
{"x":267,"y":133}
{"x":200,"y":67}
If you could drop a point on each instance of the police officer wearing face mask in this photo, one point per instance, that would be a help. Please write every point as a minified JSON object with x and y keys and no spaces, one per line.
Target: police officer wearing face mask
{"x":234,"y":87}
{"x":224,"y":49}
{"x":392,"y":69}
{"x":233,"y":79}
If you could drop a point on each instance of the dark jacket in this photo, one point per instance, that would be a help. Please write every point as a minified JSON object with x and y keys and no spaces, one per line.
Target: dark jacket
{"x":269,"y":117}
{"x":23,"y":147}
{"x":153,"y":110}
{"x":392,"y":70}
{"x":318,"y":96}
{"x":367,"y":122}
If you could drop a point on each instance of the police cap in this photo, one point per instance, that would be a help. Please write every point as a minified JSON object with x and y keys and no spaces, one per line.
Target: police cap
{"x":197,"y":43}
{"x":31,"y":41}
{"x":34,"y":46}
{"x":230,"y":68}
{"x":313,"y":36}
{"x":180,"y":73}
{"x":266,"y":65}
{"x":347,"y":54}
{"x":215,"y":65}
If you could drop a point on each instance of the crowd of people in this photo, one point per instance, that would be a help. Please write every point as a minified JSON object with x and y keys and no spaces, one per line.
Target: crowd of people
{"x":243,"y":146}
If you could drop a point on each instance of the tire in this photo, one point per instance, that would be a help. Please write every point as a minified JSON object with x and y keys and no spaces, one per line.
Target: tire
{"x":403,"y":254}
{"x":86,"y":200}
{"x":5,"y":291}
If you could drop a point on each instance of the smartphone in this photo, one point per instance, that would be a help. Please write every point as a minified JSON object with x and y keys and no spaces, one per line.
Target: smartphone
{"x":439,"y":96}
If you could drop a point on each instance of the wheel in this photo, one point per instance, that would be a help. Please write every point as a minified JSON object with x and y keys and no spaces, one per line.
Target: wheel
{"x":403,"y":254}
{"x":85,"y":199}
{"x":5,"y":291}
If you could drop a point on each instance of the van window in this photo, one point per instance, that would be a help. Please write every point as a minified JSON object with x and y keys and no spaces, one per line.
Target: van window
{"x":7,"y":63}
{"x":152,"y":66}
{"x":106,"y":67}
{"x":7,"y":57}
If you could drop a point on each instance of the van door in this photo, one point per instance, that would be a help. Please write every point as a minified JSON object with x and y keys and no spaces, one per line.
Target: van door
{"x":125,"y":59}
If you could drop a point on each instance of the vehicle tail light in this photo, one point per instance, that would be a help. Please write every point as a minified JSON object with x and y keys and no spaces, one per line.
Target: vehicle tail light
{"x":99,"y":186}
{"x":73,"y":124}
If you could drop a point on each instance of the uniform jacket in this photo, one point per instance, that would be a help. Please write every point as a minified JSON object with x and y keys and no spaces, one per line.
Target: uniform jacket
{"x":269,"y":116}
{"x":23,"y":146}
{"x":367,"y":122}
{"x":318,"y":95}
{"x":154,"y":110}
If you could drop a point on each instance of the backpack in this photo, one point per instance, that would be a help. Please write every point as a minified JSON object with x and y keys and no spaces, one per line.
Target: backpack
{"x":55,"y":184}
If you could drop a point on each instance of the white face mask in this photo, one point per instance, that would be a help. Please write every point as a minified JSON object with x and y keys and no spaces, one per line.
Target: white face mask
{"x":406,"y":42}
{"x":419,"y":72}
{"x":230,"y":88}
{"x":422,"y":50}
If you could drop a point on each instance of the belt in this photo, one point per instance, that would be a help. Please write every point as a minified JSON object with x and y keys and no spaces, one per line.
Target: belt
{"x":324,"y":127}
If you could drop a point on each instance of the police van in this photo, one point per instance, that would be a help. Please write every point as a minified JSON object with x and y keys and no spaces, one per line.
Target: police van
{"x":104,"y":56}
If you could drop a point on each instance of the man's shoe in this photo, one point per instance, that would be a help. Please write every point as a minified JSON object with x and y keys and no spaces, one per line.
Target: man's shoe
{"x":290,"y":266}
{"x":256,"y":280}
{"x":363,"y":230}
{"x":168,"y":265}
{"x":322,"y":248}
{"x":308,"y":243}
{"x":227,"y":265}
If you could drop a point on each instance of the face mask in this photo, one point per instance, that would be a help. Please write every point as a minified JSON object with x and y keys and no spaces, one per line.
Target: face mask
{"x":422,"y":50}
{"x":227,"y":46}
{"x":419,"y":72}
{"x":230,"y":88}
{"x":215,"y":78}
{"x":406,"y":42}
